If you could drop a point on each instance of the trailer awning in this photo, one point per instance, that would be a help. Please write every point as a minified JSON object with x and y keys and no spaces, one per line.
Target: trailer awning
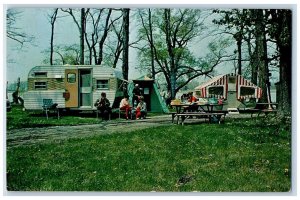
{"x":216,"y":81}
{"x":244,"y":84}
{"x":218,"y":87}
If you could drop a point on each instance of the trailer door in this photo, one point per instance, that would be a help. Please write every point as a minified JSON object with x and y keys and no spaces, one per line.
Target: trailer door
{"x":85,"y":88}
{"x":71,"y":86}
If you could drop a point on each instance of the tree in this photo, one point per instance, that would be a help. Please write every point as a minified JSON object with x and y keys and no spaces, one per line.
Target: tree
{"x":115,"y":46}
{"x":174,"y":30}
{"x":81,"y":27}
{"x":99,"y":23}
{"x":64,"y":54}
{"x":125,"y":67}
{"x":234,"y":20}
{"x":149,"y":34}
{"x":280,"y":29}
{"x":261,"y":54}
{"x":12,"y":31}
{"x":52,"y":22}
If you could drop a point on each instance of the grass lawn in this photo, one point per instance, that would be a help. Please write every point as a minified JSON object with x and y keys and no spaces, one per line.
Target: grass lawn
{"x":18,"y":118}
{"x":240,"y":155}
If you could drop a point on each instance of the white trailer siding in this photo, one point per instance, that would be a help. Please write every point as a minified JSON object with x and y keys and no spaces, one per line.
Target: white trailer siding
{"x":33,"y":100}
{"x":52,"y":71}
{"x":55,"y":75}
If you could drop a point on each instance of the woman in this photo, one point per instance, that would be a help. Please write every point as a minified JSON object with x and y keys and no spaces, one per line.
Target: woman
{"x":124,"y":105}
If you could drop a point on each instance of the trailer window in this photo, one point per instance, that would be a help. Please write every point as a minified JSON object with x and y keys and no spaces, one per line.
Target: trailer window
{"x":40,"y":74}
{"x":216,"y":90}
{"x":102,"y":84}
{"x":247,"y":91}
{"x":71,"y":77}
{"x":40,"y":85}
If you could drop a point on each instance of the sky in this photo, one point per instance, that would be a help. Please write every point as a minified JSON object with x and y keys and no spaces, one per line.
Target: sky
{"x":34,"y":21}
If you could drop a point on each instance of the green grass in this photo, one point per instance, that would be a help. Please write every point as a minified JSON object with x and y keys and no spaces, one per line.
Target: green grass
{"x":240,"y":155}
{"x":18,"y":118}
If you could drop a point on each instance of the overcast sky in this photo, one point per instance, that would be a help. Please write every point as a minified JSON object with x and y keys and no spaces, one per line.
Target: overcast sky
{"x":34,"y":21}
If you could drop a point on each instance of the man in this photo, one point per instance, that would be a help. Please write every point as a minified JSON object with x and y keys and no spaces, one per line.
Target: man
{"x":102,"y":105}
{"x":136,"y":93}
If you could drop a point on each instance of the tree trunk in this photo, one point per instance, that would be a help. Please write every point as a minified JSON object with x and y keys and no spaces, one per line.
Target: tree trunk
{"x":261,"y":54}
{"x":53,"y":19}
{"x":167,"y":13}
{"x":82,"y":33}
{"x":252,"y":64}
{"x":285,"y":52}
{"x":125,"y":67}
{"x":105,"y":33}
{"x":151,"y":44}
{"x":15,"y":94}
{"x":239,"y":46}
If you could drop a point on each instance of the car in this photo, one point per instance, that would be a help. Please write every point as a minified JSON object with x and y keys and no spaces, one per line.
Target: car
{"x":8,"y":106}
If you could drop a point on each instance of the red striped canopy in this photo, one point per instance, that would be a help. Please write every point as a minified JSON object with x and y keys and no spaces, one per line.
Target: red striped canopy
{"x":222,"y":80}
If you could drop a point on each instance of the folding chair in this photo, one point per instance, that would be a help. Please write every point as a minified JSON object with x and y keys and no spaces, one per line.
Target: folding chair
{"x":48,"y":105}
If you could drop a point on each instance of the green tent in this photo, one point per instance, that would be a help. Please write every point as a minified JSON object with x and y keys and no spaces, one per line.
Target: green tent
{"x":152,"y":97}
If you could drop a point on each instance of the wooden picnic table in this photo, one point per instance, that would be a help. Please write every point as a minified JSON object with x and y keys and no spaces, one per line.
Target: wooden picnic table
{"x":266,"y":106}
{"x":260,"y":108}
{"x":185,"y":110}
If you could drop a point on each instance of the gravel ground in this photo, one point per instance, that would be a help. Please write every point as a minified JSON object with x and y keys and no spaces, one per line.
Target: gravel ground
{"x":27,"y":136}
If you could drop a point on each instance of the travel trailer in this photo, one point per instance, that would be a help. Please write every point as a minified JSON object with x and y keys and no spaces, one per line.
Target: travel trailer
{"x":72,"y":87}
{"x":235,"y":90}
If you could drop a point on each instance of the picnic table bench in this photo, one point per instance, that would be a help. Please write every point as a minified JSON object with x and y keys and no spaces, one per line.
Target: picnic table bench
{"x":210,"y":116}
{"x":198,"y":111}
{"x":260,"y":108}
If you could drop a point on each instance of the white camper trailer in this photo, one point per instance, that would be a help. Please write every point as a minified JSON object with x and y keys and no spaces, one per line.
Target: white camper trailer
{"x":72,"y":87}
{"x":235,"y":90}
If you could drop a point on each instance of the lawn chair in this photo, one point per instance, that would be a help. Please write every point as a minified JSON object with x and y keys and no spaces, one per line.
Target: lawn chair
{"x":48,"y":105}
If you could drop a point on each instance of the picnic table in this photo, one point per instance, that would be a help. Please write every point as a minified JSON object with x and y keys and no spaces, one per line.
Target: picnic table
{"x":186,"y":110}
{"x":260,"y":108}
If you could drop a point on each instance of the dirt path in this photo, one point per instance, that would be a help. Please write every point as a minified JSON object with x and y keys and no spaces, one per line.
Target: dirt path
{"x":27,"y":136}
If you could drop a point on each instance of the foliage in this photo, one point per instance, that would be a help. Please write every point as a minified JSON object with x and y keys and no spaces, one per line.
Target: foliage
{"x":232,"y":157}
{"x":65,"y":54}
{"x":174,"y":31}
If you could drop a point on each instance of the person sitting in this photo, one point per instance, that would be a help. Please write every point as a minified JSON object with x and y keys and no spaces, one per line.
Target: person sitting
{"x":103,"y":105}
{"x":124,"y":105}
{"x":141,"y":109}
{"x":192,"y":100}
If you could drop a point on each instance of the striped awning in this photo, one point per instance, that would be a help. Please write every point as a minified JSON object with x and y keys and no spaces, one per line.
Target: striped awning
{"x":222,"y":80}
{"x":241,"y":81}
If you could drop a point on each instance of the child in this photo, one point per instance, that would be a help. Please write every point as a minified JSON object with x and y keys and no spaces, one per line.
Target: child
{"x":141,"y":109}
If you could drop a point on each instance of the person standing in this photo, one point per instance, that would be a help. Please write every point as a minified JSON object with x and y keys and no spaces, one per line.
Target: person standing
{"x":136,"y":93}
